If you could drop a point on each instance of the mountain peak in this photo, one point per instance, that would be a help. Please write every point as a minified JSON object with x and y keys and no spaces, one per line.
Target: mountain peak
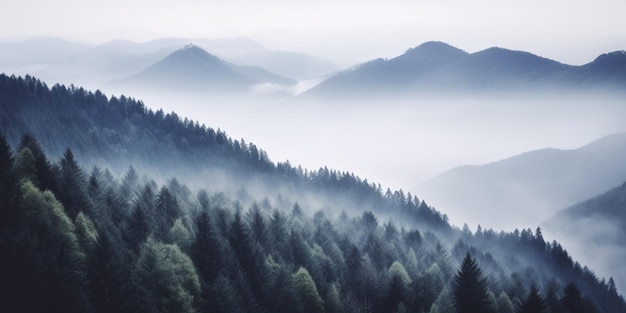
{"x":192,"y":51}
{"x":615,"y":56}
{"x":435,"y":48}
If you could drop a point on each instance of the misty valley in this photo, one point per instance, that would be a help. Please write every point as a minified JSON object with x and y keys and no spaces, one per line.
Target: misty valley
{"x":435,"y":181}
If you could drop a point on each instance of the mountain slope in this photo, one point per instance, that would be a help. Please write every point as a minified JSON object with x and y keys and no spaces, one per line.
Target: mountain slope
{"x":194,"y":69}
{"x":500,"y":68}
{"x":594,"y":230}
{"x":282,"y":240}
{"x":528,"y":188}
{"x":122,"y":132}
{"x":438,"y":67}
{"x":606,"y":208}
{"x":394,"y":74}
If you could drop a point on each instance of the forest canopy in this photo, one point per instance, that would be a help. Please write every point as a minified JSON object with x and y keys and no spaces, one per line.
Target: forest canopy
{"x":129,"y":244}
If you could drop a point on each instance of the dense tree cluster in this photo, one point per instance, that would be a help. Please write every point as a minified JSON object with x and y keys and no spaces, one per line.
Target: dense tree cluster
{"x":85,"y":241}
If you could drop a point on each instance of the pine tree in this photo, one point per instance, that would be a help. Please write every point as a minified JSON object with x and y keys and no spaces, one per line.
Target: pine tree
{"x":166,"y":211}
{"x":306,"y":291}
{"x":397,"y":290}
{"x":48,"y":263}
{"x":166,"y":279}
{"x":470,"y":288}
{"x":504,"y":303}
{"x":245,"y":252}
{"x":206,"y":250}
{"x":533,"y":303}
{"x":72,"y":186}
{"x":43,"y":170}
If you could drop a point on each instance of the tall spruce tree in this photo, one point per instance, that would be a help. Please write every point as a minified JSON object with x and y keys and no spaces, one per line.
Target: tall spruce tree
{"x":533,"y":303}
{"x":72,"y":185}
{"x":470,"y":289}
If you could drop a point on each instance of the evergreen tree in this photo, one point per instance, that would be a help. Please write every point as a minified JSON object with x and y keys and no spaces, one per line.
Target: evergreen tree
{"x":397,"y":291}
{"x":138,"y":228}
{"x":165,"y":279}
{"x":206,"y":249}
{"x":533,"y":303}
{"x":443,"y":303}
{"x":72,"y":190}
{"x":165,"y":213}
{"x":470,"y":288}
{"x":504,"y":304}
{"x":433,"y":283}
{"x":573,"y":302}
{"x":246,"y":256}
{"x":25,"y":167}
{"x":43,"y":170}
{"x":281,"y":294}
{"x":109,"y":271}
{"x":48,"y":263}
{"x":307,"y":292}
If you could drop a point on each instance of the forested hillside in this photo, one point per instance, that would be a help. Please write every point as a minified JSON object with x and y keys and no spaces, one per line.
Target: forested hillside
{"x":90,"y":239}
{"x":122,"y":132}
{"x":82,"y":242}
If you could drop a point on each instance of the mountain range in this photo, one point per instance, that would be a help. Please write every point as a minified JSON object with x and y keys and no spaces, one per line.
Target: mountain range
{"x":58,"y":60}
{"x":436,"y":66}
{"x":432,"y":67}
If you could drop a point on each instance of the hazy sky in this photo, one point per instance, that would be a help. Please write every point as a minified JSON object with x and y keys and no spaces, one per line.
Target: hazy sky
{"x":346,"y":32}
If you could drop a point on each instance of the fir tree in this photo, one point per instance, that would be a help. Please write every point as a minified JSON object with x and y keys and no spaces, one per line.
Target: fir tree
{"x":470,"y":288}
{"x":533,"y":303}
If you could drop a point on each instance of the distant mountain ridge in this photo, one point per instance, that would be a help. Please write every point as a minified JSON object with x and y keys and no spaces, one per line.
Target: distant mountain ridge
{"x":194,"y":69}
{"x":595,"y":229}
{"x":434,"y":66}
{"x":64,"y":61}
{"x":610,"y":206}
{"x":531,"y":186}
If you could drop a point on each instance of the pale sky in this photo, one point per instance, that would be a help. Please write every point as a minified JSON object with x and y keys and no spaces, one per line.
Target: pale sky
{"x":346,"y":32}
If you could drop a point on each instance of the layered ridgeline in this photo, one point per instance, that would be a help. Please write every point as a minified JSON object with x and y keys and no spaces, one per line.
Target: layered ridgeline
{"x":531,"y":186}
{"x":83,"y":239}
{"x":57,"y":60}
{"x":603,"y":243}
{"x":121,"y":132}
{"x":435,"y":67}
{"x":194,"y":70}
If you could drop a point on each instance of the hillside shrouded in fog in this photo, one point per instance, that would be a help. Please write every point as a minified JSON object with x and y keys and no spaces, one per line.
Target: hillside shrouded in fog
{"x":326,"y":156}
{"x":247,"y":234}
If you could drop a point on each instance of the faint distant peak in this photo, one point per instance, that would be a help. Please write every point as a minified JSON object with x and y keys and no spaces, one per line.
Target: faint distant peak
{"x":499,"y":51}
{"x":436,"y":48}
{"x":191,"y":52}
